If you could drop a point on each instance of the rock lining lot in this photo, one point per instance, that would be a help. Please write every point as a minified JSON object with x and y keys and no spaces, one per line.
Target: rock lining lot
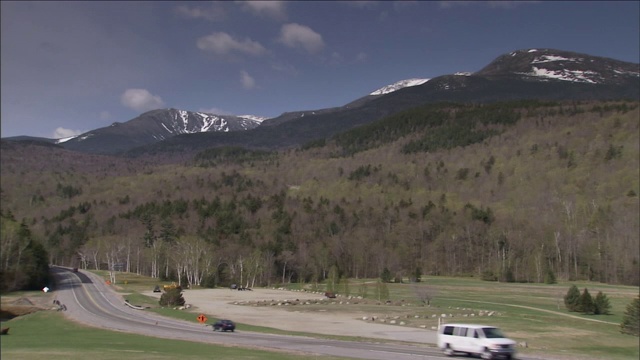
{"x":260,"y":307}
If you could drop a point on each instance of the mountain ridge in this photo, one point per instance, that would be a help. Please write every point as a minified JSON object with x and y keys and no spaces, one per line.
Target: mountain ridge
{"x":546,"y":74}
{"x":157,"y":125}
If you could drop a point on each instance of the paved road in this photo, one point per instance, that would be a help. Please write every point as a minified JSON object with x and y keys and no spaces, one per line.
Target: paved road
{"x":90,"y":301}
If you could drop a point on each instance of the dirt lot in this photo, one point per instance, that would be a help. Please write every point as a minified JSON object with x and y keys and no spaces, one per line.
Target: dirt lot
{"x":13,"y":306}
{"x":299,"y":311}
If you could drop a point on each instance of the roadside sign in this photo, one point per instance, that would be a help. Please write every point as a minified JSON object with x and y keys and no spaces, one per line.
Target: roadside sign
{"x":202,"y":319}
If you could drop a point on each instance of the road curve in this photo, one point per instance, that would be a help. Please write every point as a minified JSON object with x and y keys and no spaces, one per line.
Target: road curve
{"x":90,"y":301}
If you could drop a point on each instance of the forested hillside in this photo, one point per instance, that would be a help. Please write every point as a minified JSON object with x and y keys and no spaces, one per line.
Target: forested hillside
{"x":520,"y":191}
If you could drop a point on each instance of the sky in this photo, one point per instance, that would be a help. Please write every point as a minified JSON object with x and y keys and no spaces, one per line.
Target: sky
{"x":69,"y":67}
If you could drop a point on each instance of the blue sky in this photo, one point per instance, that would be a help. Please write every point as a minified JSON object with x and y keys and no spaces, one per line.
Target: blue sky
{"x":70,"y":67}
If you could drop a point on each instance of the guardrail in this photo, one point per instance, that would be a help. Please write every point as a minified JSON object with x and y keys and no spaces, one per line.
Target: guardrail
{"x":133,"y":306}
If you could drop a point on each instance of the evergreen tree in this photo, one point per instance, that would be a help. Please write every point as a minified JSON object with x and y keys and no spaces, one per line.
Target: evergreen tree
{"x":601,"y":305}
{"x":386,"y":275}
{"x":172,"y":297}
{"x":550,"y":277}
{"x":209,"y":281}
{"x":571,"y":298}
{"x":585,"y":303}
{"x":417,"y":274}
{"x":36,"y":266}
{"x":631,"y":320}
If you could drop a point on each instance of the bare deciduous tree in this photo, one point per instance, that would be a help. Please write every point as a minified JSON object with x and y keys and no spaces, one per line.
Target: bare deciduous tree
{"x":424,"y":293}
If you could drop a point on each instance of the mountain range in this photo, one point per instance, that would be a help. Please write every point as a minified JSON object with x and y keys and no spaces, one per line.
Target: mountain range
{"x":440,"y":176}
{"x":546,"y":74}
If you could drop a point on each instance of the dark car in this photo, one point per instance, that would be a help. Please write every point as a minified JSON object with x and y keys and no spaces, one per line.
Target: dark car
{"x":224,"y":325}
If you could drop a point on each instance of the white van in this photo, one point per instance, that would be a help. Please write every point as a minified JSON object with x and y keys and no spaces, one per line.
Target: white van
{"x":486,"y":341}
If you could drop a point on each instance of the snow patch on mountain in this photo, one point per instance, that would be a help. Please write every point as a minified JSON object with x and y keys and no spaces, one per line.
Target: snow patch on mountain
{"x":185,"y":118}
{"x":166,"y":128}
{"x":550,"y":58}
{"x":630,"y":73}
{"x":257,"y":119}
{"x":399,"y":85}
{"x":567,"y":75}
{"x":63,"y":140}
{"x":187,"y":122}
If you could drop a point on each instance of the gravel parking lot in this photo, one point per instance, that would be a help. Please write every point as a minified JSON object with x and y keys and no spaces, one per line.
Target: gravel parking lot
{"x":240,"y":306}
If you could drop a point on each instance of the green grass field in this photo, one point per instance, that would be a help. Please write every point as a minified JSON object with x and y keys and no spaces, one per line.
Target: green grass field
{"x":48,"y":335}
{"x":531,"y":313}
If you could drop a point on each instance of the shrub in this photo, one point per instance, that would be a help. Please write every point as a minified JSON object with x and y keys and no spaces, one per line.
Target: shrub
{"x":488,"y":275}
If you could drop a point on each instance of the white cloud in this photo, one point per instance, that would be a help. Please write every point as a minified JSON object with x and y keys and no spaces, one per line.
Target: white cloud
{"x":361,"y":57}
{"x":273,"y":9}
{"x":247,"y":81}
{"x":300,"y":36}
{"x":214,"y":110}
{"x":104,"y":115}
{"x":214,"y":13}
{"x":222,"y":44}
{"x":285,"y":67}
{"x":61,"y":133}
{"x":141,"y":100}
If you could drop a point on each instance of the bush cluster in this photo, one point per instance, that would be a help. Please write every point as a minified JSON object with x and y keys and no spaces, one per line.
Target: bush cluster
{"x":585,"y":303}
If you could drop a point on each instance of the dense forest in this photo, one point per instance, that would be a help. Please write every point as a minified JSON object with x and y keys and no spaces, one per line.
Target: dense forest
{"x":520,"y":191}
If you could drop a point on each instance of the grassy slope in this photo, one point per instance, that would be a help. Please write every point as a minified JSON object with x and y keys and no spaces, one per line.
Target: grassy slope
{"x":49,"y":335}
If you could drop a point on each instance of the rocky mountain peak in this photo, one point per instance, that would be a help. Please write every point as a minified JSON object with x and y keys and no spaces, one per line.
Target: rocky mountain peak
{"x":559,"y":65}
